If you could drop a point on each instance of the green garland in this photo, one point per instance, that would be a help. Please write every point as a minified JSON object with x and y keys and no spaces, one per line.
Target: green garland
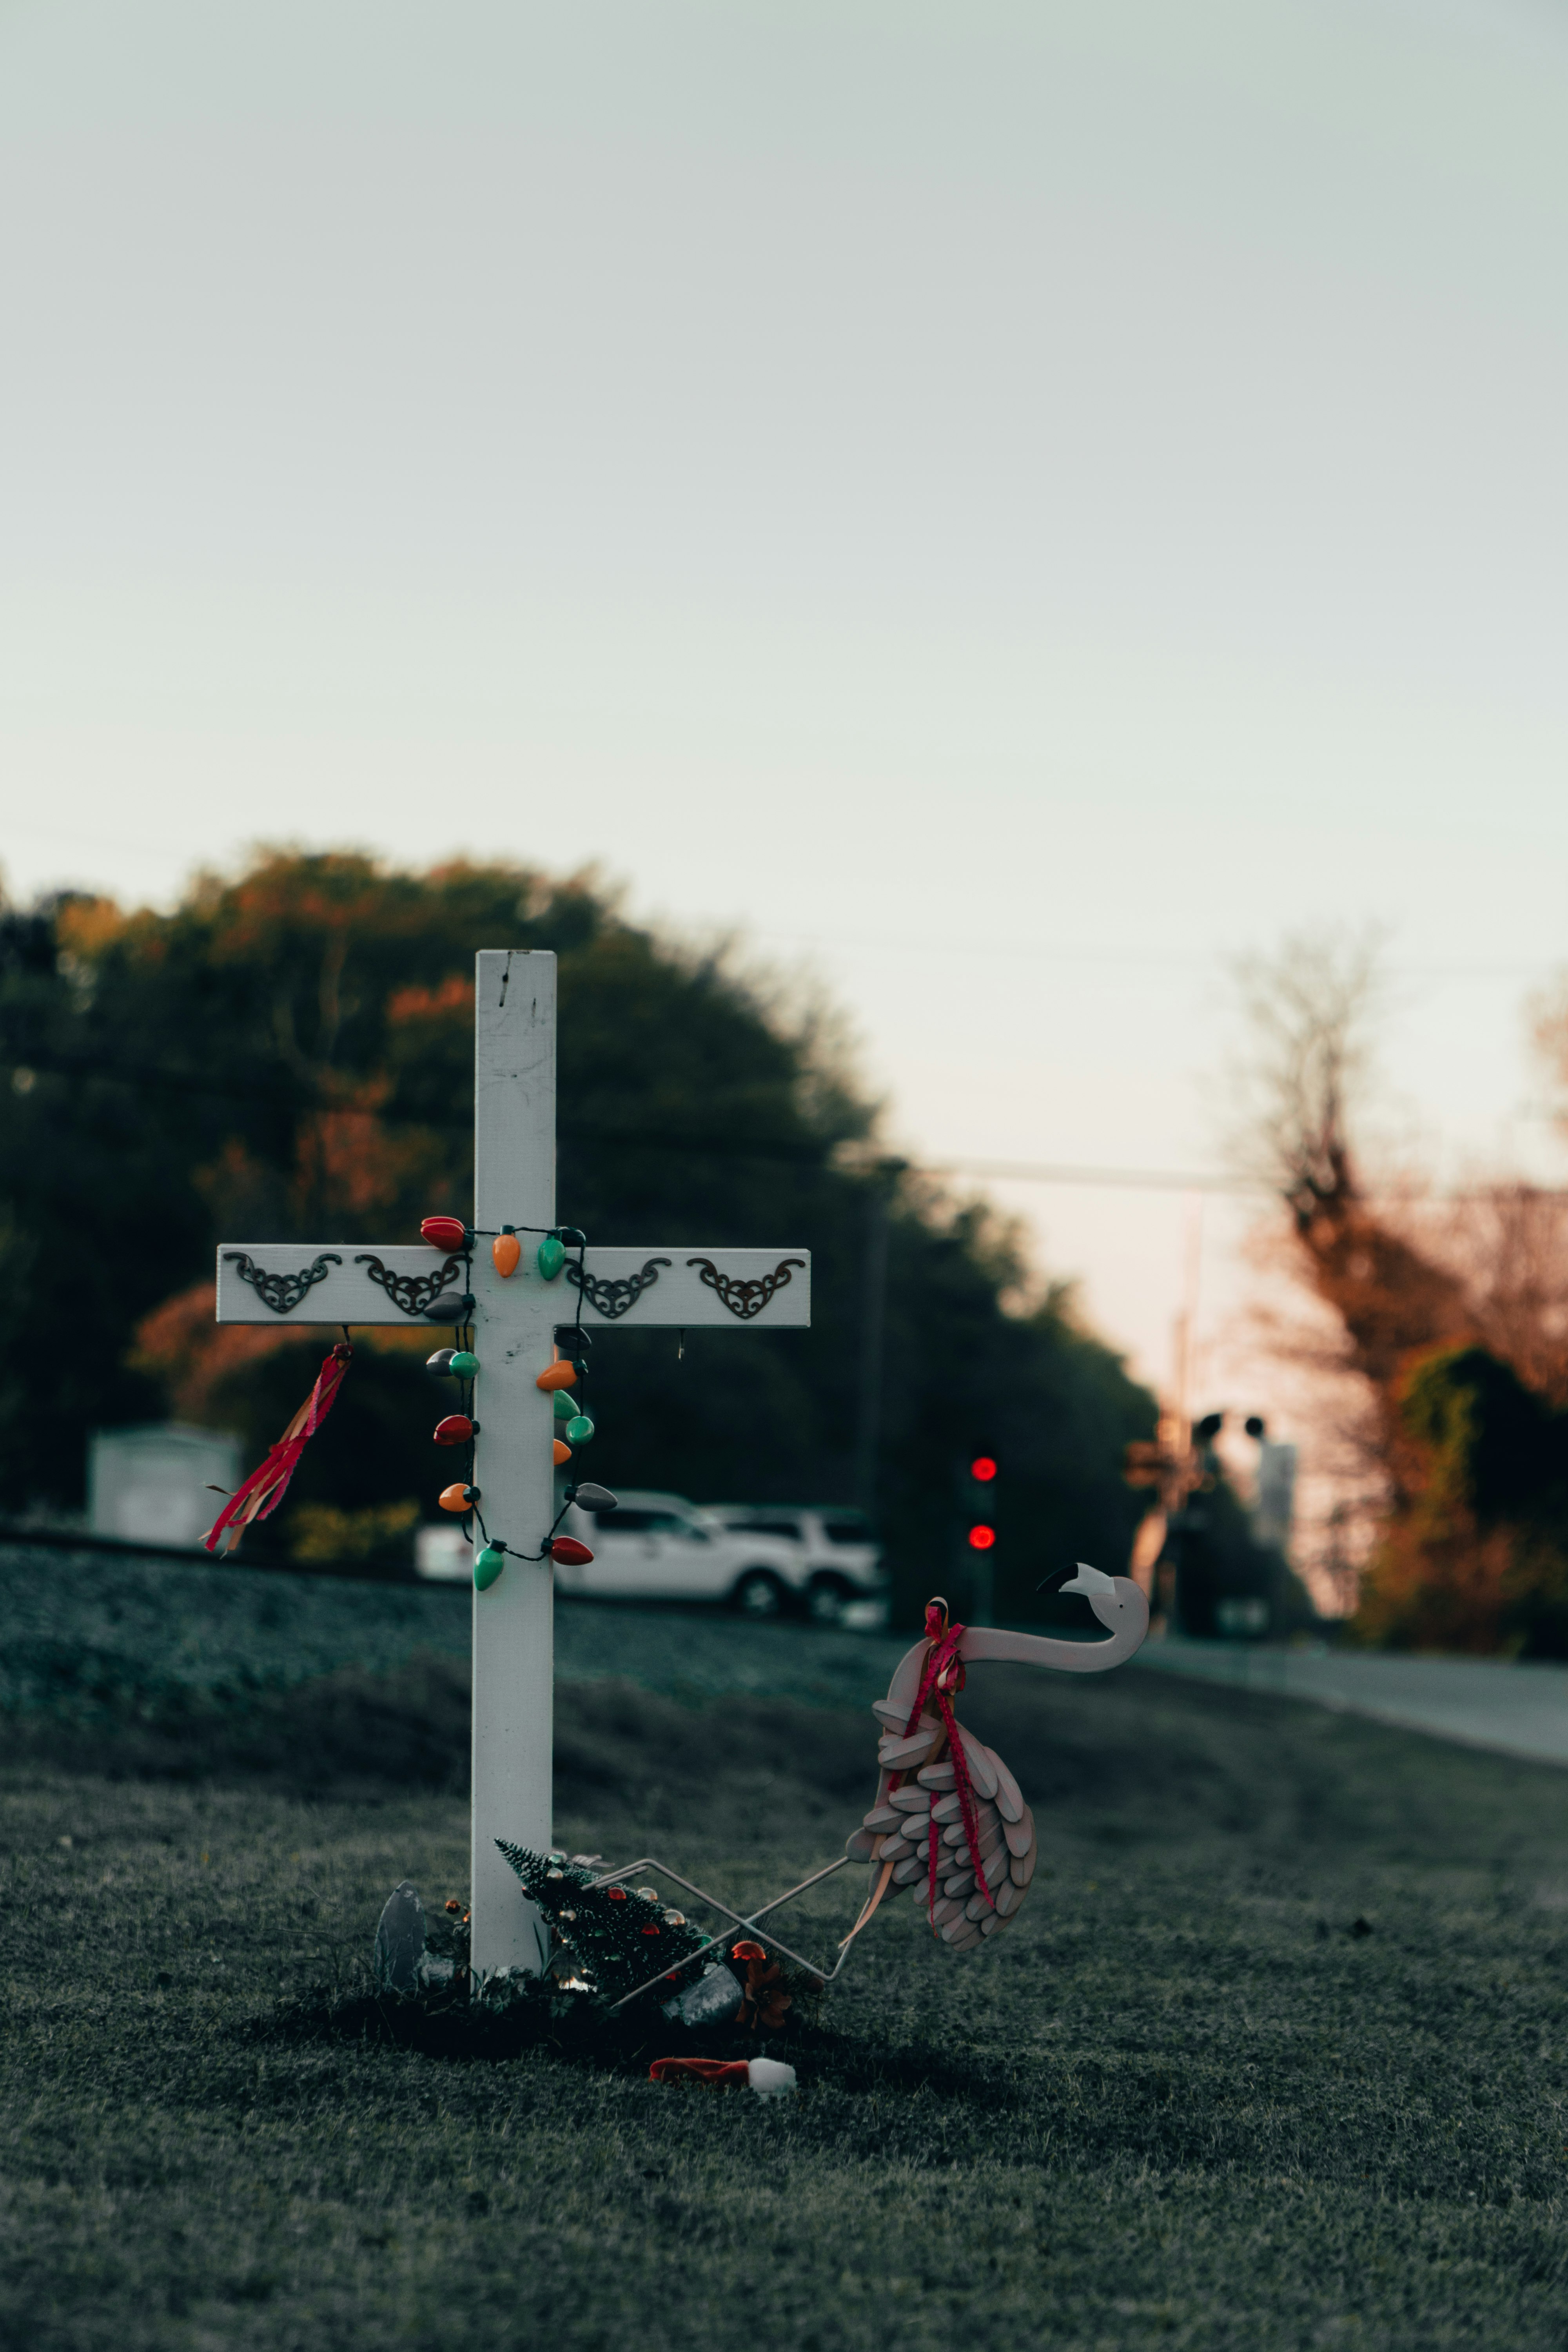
{"x":617,"y":1936}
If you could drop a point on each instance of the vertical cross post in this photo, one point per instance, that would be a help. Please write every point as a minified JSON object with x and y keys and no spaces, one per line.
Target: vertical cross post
{"x":514,"y":1183}
{"x":514,"y":1322}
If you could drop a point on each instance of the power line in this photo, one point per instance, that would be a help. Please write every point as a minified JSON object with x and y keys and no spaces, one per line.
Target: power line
{"x":803,"y":1151}
{"x":1131,"y":959}
{"x":1130,"y":1179}
{"x":1161,"y":1179}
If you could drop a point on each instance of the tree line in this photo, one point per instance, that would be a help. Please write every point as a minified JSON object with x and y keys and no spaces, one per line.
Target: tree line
{"x":287,"y":1054}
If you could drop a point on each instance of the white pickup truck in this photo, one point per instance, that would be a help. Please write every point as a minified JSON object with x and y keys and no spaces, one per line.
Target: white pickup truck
{"x":837,"y":1572}
{"x":660,"y":1547}
{"x":763,"y":1559}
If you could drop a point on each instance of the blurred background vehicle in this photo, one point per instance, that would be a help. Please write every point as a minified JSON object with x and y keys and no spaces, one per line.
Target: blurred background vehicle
{"x":660,"y":1547}
{"x":443,"y":1555}
{"x":838,"y":1566}
{"x":764,"y":1559}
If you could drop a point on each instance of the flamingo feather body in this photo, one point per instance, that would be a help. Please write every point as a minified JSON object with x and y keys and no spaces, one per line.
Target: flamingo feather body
{"x":894,"y":1838}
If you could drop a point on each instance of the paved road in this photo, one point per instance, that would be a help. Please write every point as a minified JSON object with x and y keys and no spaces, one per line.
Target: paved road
{"x":1518,"y":1710}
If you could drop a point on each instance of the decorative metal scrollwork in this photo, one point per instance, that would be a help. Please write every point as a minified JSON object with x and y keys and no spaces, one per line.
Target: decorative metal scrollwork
{"x":609,"y":1296}
{"x":745,"y":1298}
{"x":415,"y":1293}
{"x":281,"y":1292}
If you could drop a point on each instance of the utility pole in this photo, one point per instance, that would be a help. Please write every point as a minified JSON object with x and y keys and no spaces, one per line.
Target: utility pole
{"x":1174,"y":1463}
{"x":1170,"y":1462}
{"x":873,"y":1330}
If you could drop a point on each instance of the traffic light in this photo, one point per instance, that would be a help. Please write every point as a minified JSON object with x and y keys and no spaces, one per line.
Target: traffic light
{"x":980,"y":1503}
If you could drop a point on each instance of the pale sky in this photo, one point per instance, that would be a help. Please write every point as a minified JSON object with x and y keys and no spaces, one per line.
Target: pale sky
{"x":1004,"y":504}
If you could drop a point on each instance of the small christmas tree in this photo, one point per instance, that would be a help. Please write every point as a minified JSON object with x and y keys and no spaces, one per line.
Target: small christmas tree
{"x":618,"y":1936}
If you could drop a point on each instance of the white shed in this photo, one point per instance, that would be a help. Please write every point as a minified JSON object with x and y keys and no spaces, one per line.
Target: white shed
{"x":154,"y":1485}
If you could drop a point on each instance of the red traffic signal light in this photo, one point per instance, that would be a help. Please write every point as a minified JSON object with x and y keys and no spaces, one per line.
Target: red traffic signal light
{"x":982,"y":1539}
{"x":983,"y":1468}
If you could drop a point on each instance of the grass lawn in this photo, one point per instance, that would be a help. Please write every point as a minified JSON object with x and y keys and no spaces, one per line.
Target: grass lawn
{"x":1189,"y":2101}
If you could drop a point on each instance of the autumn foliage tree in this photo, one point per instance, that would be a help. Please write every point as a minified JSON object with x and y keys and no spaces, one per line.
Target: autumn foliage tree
{"x":1450,"y":1320}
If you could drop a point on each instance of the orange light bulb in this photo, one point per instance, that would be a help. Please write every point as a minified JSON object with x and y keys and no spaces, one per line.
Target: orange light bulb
{"x":457,"y":1499}
{"x":560,"y":1451}
{"x":505,"y":1251}
{"x":557,"y":1376}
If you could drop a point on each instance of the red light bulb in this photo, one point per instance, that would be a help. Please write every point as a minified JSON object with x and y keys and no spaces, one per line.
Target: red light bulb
{"x":982,"y":1539}
{"x":983,"y":1468}
{"x":445,"y":1232}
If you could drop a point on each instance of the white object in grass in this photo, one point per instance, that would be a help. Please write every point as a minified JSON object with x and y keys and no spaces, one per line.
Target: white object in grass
{"x":770,"y":2077}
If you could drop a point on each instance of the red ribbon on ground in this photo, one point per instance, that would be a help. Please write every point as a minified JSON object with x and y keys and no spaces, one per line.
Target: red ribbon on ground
{"x":265,"y":1488}
{"x":715,"y":2074}
{"x":943,"y":1674}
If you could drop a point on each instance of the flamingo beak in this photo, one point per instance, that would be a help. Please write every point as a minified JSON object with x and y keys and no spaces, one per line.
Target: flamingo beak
{"x":1090,"y":1582}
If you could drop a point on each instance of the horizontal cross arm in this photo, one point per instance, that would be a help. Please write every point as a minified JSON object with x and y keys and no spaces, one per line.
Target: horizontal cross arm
{"x":334,"y":1282}
{"x":680,"y":1285}
{"x":345,"y":1281}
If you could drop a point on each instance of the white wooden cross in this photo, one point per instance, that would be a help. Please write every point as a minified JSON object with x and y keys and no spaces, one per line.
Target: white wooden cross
{"x":513,"y":1321}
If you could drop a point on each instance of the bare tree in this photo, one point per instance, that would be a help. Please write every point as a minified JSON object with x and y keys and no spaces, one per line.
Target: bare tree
{"x":1299,"y":1084}
{"x":1306,"y":1013}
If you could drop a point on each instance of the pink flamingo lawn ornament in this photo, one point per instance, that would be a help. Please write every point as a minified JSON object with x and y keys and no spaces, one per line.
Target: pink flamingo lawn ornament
{"x":949,"y":1821}
{"x":952,"y":1825}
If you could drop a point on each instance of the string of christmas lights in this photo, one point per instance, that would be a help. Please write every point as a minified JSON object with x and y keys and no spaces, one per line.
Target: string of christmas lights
{"x":569,"y":1372}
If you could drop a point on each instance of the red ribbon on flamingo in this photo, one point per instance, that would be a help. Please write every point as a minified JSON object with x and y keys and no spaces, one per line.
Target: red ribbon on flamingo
{"x":943,"y":1675}
{"x":265,"y":1488}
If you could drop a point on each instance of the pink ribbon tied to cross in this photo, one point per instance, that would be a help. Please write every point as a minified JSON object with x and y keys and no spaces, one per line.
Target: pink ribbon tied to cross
{"x":265,"y":1488}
